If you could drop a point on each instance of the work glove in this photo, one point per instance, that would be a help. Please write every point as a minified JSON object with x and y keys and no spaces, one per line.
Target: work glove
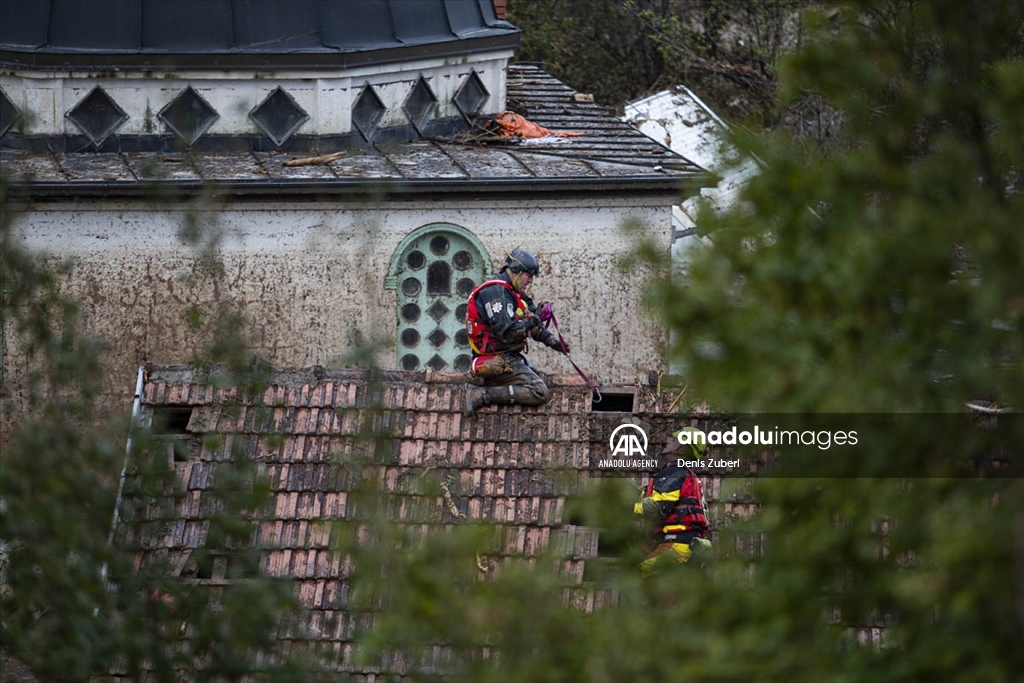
{"x":550,"y":339}
{"x":558,"y":346}
{"x":532,"y":323}
{"x":700,"y":545}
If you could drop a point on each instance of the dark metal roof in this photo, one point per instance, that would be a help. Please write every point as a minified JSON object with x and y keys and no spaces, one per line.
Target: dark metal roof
{"x":610,"y":155}
{"x":141,"y":34}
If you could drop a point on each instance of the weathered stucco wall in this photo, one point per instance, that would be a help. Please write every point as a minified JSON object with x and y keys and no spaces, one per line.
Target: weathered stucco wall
{"x":308,"y":275}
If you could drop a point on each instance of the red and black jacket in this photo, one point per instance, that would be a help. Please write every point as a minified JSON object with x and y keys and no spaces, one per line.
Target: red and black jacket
{"x":499,"y":319}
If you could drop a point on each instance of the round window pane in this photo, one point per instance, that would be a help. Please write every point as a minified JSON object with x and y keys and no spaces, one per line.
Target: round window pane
{"x":439,"y":245}
{"x":462,"y":260}
{"x":410,"y":313}
{"x":465,"y":286}
{"x":461,"y":338}
{"x":462,"y":363}
{"x":416,"y":259}
{"x":411,"y":286}
{"x":410,"y":362}
{"x":460,"y":312}
{"x":410,"y":337}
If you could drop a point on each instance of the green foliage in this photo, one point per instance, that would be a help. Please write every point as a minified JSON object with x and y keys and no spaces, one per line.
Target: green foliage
{"x":619,"y":50}
{"x":74,"y":604}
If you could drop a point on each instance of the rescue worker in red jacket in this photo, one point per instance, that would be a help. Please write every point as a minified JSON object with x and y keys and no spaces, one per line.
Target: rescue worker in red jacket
{"x":673,"y":508}
{"x":500,"y":319}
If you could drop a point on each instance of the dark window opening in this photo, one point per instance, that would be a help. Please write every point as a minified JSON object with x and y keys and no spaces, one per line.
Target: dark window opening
{"x":439,"y":279}
{"x":612,"y":403}
{"x":462,"y":260}
{"x":411,"y":286}
{"x":416,"y":260}
{"x":410,"y":362}
{"x":465,"y":287}
{"x":410,"y":337}
{"x":439,"y":245}
{"x":410,"y":313}
{"x":460,"y":312}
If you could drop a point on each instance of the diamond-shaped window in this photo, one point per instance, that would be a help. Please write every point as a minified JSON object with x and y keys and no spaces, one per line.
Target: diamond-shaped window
{"x":279,"y":116}
{"x":97,"y":115}
{"x":437,"y":311}
{"x":9,"y":114}
{"x":189,"y":115}
{"x":437,"y":337}
{"x":420,"y":105}
{"x":437,"y":363}
{"x":471,"y":97}
{"x":367,"y":112}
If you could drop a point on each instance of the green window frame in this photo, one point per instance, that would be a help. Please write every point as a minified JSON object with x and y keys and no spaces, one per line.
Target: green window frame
{"x":433,"y":270}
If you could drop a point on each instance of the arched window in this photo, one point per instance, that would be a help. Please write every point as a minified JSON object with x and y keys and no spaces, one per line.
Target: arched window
{"x":433,"y":271}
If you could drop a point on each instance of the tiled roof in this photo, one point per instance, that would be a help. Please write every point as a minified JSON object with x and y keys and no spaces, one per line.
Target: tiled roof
{"x":515,"y":466}
{"x":611,"y":155}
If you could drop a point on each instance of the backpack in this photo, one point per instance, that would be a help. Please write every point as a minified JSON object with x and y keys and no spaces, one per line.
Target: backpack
{"x":679,"y":490}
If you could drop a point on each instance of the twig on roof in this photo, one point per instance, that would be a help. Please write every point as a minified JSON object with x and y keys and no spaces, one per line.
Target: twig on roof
{"x":315,"y":161}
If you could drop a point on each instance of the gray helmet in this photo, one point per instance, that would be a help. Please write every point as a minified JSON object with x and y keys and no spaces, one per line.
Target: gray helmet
{"x":521,"y":261}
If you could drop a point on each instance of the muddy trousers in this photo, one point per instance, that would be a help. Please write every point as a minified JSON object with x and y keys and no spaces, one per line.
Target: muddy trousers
{"x":522,"y":386}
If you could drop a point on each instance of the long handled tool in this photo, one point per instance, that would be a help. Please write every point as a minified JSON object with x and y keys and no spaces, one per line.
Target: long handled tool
{"x":547,"y":317}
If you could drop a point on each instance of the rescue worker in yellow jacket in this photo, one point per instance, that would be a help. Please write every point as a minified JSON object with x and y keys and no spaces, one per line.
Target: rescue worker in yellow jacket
{"x":673,"y":508}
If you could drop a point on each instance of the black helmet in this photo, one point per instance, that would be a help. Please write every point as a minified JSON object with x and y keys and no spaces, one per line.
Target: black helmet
{"x":521,"y":261}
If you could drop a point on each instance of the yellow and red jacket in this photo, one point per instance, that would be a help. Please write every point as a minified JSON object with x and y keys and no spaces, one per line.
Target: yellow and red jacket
{"x":674,"y":502}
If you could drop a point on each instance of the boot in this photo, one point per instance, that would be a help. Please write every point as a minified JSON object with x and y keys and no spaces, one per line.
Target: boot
{"x":476,"y":397}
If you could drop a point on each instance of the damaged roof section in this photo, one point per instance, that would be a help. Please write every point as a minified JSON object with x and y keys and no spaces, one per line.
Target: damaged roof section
{"x":608,"y":155}
{"x":516,"y":467}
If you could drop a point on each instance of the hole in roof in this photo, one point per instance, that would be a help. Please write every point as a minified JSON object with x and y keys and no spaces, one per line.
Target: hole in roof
{"x":416,"y":259}
{"x":620,"y":402}
{"x":574,"y":511}
{"x":439,"y":278}
{"x":170,"y":420}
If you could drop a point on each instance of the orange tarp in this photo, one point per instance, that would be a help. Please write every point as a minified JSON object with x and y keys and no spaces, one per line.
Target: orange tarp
{"x":513,"y":125}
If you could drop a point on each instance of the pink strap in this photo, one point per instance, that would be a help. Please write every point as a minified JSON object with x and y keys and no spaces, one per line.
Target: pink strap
{"x":547,"y":316}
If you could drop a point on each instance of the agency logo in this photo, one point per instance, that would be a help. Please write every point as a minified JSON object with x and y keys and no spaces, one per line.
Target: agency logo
{"x":628,"y":441}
